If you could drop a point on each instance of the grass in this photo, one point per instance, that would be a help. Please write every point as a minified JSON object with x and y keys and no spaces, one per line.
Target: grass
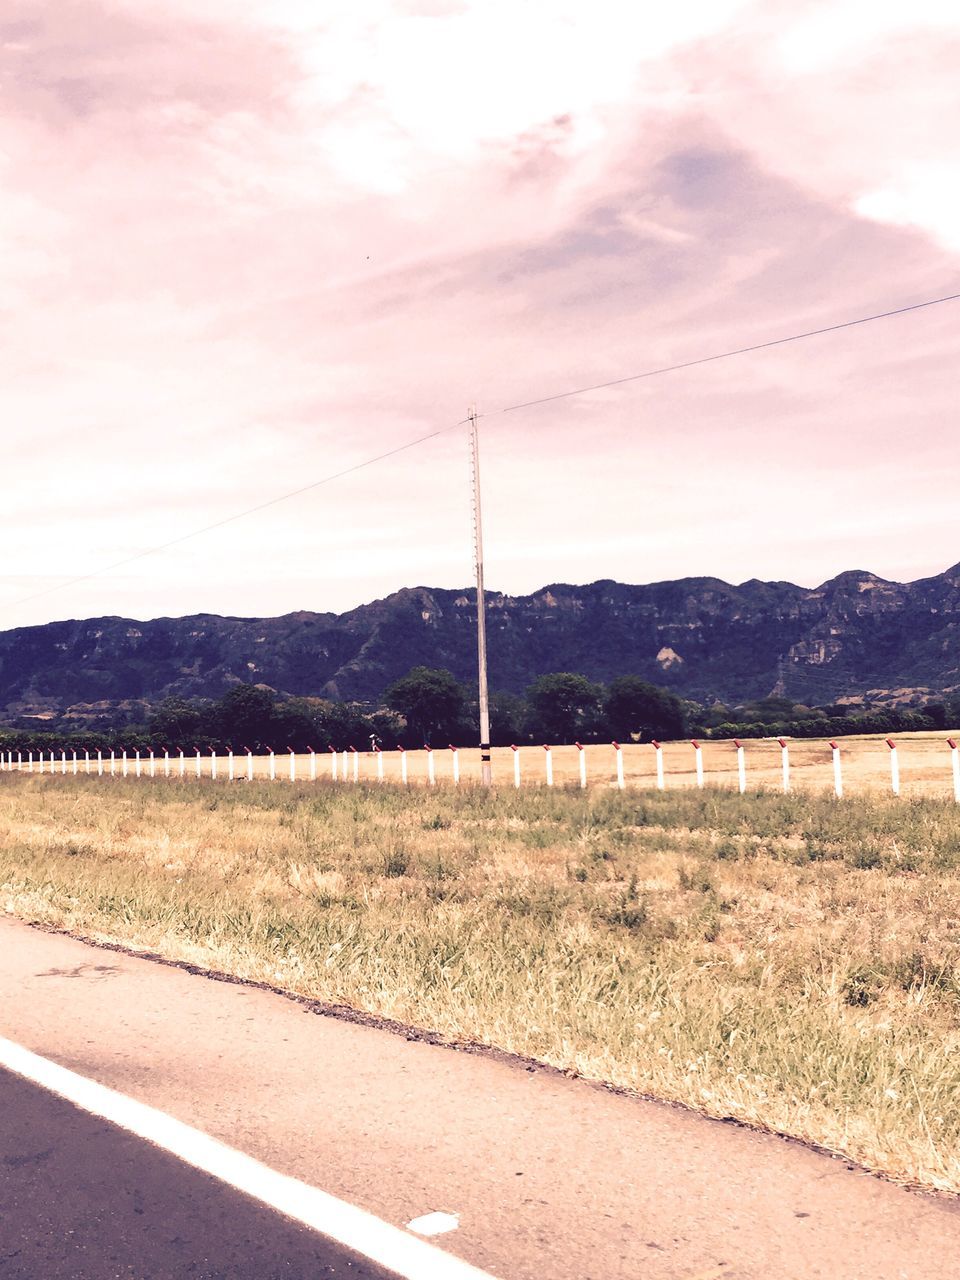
{"x":791,"y":961}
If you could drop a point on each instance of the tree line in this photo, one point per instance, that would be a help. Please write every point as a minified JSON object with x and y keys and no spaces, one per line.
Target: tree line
{"x":428,"y":706}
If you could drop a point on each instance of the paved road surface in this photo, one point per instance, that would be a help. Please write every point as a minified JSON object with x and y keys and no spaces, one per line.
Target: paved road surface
{"x":552,"y":1179}
{"x":83,"y":1200}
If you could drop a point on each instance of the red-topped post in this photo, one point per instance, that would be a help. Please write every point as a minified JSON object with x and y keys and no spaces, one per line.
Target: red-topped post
{"x":894,"y":767}
{"x":785,"y":763}
{"x":698,"y":758}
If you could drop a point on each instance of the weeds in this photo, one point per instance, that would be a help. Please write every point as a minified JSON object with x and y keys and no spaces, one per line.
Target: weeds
{"x":788,"y":960}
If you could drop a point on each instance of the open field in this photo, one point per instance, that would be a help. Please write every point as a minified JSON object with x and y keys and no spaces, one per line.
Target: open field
{"x":924,"y":760}
{"x":792,"y":961}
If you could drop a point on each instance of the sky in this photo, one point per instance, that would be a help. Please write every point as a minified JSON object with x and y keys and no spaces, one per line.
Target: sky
{"x":248,"y":244}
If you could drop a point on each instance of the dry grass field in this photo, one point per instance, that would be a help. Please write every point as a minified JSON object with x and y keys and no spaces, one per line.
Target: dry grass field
{"x":924,"y":759}
{"x":790,"y":961}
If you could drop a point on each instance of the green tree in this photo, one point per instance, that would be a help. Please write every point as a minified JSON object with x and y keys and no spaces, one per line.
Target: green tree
{"x":431,"y":702}
{"x":175,"y":722}
{"x":507,"y":715}
{"x":296,"y":724}
{"x":246,"y":716}
{"x":341,"y":725}
{"x":636,"y":709}
{"x":564,"y":707}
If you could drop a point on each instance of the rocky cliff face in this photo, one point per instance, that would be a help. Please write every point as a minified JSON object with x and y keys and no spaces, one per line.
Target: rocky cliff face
{"x":705,"y":639}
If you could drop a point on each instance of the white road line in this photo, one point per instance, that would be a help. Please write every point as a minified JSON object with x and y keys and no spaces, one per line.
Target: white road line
{"x":354,"y":1228}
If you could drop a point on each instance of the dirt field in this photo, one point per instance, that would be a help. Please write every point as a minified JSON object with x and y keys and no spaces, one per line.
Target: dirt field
{"x":925,"y":762}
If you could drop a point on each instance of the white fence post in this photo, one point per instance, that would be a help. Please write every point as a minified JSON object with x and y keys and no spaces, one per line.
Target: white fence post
{"x":75,"y":763}
{"x":230,"y":769}
{"x":29,"y":762}
{"x":249,"y":765}
{"x":183,"y":764}
{"x":113,"y":762}
{"x":153,"y":764}
{"x":785,"y":763}
{"x":516,"y":765}
{"x":343,"y":764}
{"x":99,"y":763}
{"x":456,"y":764}
{"x":548,"y":764}
{"x":356,"y":764}
{"x":123,"y":762}
{"x":955,"y":761}
{"x":273,"y":765}
{"x":199,"y":765}
{"x":213,"y":764}
{"x":63,"y":761}
{"x":293,"y":765}
{"x":582,"y":761}
{"x":658,"y":747}
{"x":403,"y":765}
{"x":136,"y":765}
{"x":619,"y":750}
{"x":166,"y":762}
{"x":837,"y":773}
{"x":333,"y":764}
{"x":698,"y":758}
{"x":741,"y":766}
{"x":894,"y":767}
{"x":431,"y":773}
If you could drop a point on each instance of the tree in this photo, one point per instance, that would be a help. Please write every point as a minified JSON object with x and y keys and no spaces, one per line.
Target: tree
{"x":342,"y":724}
{"x":295,"y":724}
{"x":507,"y":715}
{"x":432,"y":703}
{"x":634,"y":708}
{"x":564,"y":707}
{"x":176,"y":722}
{"x":246,"y":716}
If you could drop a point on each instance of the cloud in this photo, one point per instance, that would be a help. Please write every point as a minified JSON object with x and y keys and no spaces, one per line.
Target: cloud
{"x":246,"y":246}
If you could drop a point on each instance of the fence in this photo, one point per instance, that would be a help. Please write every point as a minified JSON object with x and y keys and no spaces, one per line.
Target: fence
{"x":930,"y":765}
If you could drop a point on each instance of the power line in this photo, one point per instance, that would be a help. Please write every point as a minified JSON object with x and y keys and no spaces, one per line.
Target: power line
{"x":511,"y":408}
{"x":237,"y":515}
{"x":738,"y":351}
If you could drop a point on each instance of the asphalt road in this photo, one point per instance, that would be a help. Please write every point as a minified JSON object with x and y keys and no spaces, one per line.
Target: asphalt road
{"x":552,"y":1179}
{"x":83,"y":1200}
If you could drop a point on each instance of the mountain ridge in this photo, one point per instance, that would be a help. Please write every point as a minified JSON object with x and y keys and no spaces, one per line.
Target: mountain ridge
{"x":856,"y":636}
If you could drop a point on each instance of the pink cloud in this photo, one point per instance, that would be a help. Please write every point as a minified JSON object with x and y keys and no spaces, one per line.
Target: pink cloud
{"x":241,"y":252}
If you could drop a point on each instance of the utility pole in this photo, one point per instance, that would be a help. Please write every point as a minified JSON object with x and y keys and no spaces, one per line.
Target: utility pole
{"x":486,"y":772}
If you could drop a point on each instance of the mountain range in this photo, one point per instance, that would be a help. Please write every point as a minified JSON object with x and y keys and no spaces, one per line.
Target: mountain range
{"x":855,"y":638}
